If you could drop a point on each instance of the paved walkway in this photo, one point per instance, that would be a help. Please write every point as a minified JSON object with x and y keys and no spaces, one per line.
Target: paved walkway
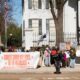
{"x":44,"y":70}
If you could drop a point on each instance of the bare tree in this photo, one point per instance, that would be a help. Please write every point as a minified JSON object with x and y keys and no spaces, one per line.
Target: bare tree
{"x":1,"y":18}
{"x":3,"y":15}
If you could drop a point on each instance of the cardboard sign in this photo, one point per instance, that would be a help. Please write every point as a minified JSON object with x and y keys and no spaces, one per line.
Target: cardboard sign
{"x":62,"y":46}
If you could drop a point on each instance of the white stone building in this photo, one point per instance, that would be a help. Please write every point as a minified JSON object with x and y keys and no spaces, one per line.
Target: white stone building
{"x":38,"y":20}
{"x":71,"y":17}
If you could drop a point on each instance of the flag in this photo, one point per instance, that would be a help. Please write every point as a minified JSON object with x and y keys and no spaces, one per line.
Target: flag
{"x":41,"y":38}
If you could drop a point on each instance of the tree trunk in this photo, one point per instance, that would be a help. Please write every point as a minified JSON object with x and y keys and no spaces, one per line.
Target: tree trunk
{"x":58,"y":19}
{"x":59,"y":29}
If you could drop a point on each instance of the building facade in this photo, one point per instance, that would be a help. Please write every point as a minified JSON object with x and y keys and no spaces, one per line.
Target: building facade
{"x":71,"y":19}
{"x":38,"y":20}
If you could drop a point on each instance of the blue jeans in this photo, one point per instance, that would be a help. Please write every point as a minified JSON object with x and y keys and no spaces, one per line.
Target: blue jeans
{"x":72,"y":63}
{"x":47,"y":60}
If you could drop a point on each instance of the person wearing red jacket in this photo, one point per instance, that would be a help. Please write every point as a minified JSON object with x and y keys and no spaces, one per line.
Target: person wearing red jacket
{"x":53,"y":53}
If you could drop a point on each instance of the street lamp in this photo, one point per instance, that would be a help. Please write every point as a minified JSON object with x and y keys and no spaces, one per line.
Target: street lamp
{"x":10,"y":39}
{"x":10,"y":34}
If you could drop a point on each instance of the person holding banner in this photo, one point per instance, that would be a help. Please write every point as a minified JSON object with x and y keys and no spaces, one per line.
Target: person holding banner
{"x":47,"y":56}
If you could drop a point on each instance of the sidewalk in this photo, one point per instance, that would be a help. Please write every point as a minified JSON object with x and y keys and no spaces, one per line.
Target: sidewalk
{"x":44,"y":70}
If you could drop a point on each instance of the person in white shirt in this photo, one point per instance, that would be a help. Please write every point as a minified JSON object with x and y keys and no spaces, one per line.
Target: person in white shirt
{"x":67,"y":52}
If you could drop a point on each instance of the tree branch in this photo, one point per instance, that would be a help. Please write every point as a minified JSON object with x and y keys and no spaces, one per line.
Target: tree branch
{"x":65,"y":2}
{"x":60,"y":4}
{"x":52,"y":9}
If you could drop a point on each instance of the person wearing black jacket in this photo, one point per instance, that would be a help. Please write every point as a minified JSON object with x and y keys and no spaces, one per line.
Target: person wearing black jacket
{"x":57,"y":62}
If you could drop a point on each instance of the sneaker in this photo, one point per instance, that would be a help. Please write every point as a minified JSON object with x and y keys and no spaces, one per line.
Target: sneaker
{"x":57,"y":72}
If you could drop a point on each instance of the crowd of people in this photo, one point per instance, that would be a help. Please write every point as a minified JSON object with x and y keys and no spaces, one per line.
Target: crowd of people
{"x":52,"y":56}
{"x":12,"y":49}
{"x":58,"y":58}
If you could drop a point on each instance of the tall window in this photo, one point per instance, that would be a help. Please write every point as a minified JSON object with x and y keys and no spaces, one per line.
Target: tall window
{"x":49,"y":24}
{"x":30,"y":23}
{"x":47,"y":4}
{"x":34,"y":4}
{"x":36,"y":23}
{"x":50,"y":29}
{"x":40,"y":27}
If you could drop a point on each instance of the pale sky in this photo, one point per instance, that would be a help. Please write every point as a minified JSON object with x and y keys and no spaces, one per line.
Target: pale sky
{"x":17,"y":11}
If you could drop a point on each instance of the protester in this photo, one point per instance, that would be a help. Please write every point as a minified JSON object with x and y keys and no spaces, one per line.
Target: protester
{"x":23,"y":49}
{"x":18,"y":50}
{"x":42,"y":49}
{"x":10,"y":49}
{"x":63,"y":59}
{"x":57,"y":62}
{"x":72,"y":57}
{"x":53,"y":53}
{"x":67,"y":52}
{"x":47,"y":56}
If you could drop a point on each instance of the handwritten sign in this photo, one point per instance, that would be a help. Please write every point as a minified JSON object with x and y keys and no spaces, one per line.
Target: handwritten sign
{"x":19,"y":60}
